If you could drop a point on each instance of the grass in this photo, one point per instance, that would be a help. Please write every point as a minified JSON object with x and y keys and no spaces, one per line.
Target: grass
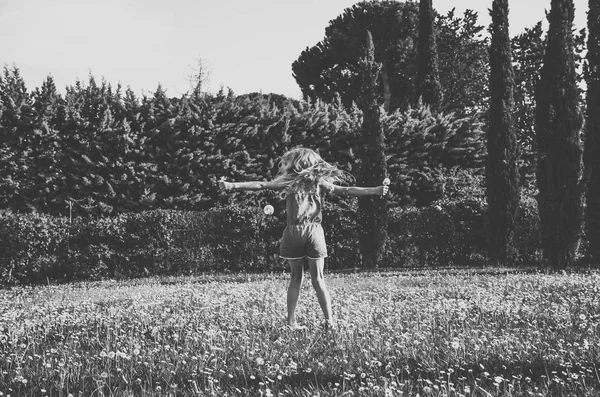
{"x":398,"y":334}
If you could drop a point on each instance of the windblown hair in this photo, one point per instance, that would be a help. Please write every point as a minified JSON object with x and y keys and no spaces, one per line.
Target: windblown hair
{"x":303,"y":168}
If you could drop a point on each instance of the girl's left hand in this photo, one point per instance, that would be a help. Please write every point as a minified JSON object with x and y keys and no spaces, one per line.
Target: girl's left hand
{"x":384,"y":189}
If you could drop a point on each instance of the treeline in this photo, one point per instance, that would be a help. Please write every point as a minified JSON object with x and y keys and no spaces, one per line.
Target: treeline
{"x":99,"y":150}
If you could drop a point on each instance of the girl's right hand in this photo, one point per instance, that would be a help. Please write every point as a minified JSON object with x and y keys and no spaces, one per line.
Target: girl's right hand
{"x":224,"y":185}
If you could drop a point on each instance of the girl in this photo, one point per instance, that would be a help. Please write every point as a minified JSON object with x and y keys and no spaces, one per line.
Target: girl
{"x":305,"y":177}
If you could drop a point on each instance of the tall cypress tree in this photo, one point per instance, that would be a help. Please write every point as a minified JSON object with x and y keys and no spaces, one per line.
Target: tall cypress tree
{"x":501,"y":168}
{"x":558,"y":124}
{"x":592,"y":139}
{"x":429,"y":87}
{"x":373,"y":168}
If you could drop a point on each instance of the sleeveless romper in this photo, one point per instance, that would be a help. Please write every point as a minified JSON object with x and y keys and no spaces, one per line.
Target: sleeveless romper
{"x":303,"y":236}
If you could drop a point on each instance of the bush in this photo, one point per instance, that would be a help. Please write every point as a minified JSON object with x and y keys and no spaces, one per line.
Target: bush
{"x":453,"y":233}
{"x":35,"y":248}
{"x":30,"y":246}
{"x":341,"y":234}
{"x":242,"y":238}
{"x":138,"y":244}
{"x":448,"y":233}
{"x":527,"y":235}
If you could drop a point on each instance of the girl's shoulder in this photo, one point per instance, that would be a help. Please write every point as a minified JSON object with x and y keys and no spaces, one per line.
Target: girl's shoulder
{"x":325,"y":186}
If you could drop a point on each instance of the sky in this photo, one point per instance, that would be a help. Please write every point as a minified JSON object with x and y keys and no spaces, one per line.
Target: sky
{"x":246,"y":45}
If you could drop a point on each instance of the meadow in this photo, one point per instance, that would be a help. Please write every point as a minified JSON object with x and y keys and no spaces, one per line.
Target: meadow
{"x":429,"y":333}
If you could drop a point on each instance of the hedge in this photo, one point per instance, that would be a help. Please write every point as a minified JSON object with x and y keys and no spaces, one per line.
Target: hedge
{"x":38,"y":248}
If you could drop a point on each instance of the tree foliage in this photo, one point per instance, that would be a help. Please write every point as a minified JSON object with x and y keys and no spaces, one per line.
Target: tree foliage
{"x":328,"y":68}
{"x":527,"y":53}
{"x":428,"y":81}
{"x":373,"y":167}
{"x":422,"y":145}
{"x":501,"y":168}
{"x":463,"y":62}
{"x":527,"y":56}
{"x":98,"y":151}
{"x":558,"y":127}
{"x":592,"y":143}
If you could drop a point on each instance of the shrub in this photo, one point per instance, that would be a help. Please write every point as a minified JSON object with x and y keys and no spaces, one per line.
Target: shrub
{"x":137,"y":244}
{"x":527,"y":233}
{"x":453,"y":233}
{"x":341,"y":234}
{"x":448,"y":233}
{"x":30,"y":246}
{"x":242,"y":238}
{"x":35,"y":248}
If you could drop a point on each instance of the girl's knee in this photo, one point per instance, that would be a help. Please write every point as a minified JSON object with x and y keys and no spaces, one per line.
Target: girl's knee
{"x":318,"y":283}
{"x":296,"y":276}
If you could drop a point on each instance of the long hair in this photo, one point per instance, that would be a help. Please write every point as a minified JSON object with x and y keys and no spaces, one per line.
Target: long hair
{"x":303,"y":168}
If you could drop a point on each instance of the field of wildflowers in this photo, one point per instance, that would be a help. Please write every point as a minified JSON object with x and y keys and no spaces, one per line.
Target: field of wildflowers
{"x":397,"y":334}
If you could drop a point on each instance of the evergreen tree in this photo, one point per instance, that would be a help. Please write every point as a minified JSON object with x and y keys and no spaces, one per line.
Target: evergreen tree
{"x":45,"y":173}
{"x":592,"y":138}
{"x":107,"y":153}
{"x":428,"y":81}
{"x":462,"y":50}
{"x":421,"y":145}
{"x":373,"y":169}
{"x":501,"y":168}
{"x":558,"y":125}
{"x":527,"y":54}
{"x":328,"y":68}
{"x":17,"y":125}
{"x":87,"y":155}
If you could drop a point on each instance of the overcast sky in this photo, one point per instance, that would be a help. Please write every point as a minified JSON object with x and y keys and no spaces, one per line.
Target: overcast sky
{"x":249,"y":45}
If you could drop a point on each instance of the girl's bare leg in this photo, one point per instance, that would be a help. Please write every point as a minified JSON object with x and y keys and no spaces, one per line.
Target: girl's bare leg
{"x":318,"y":283}
{"x":293,"y":293}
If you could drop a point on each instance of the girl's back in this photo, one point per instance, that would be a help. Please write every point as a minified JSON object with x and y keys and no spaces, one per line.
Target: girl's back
{"x":304,"y":204}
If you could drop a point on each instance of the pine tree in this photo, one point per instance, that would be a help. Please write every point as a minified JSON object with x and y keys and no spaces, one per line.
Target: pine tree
{"x":592,"y":139}
{"x":87,"y":180}
{"x":558,"y":125}
{"x":428,"y":87}
{"x":17,"y":125}
{"x":501,"y":167}
{"x":45,"y":173}
{"x":373,"y":168}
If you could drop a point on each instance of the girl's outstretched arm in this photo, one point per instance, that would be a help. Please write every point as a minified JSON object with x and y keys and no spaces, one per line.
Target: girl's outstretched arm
{"x":251,"y":185}
{"x":355,"y":191}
